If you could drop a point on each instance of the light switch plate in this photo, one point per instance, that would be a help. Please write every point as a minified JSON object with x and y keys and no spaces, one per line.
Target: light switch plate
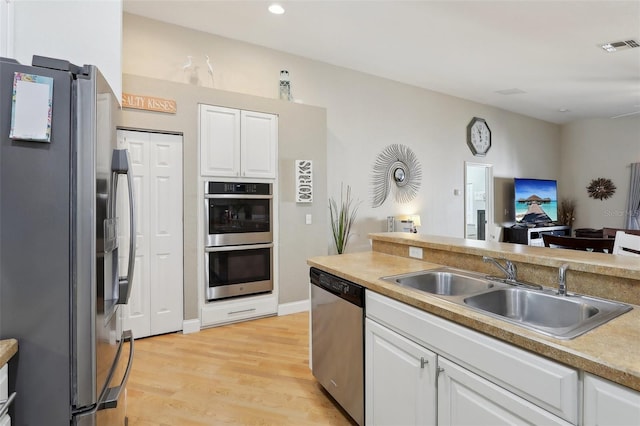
{"x":415,"y":252}
{"x":307,"y":219}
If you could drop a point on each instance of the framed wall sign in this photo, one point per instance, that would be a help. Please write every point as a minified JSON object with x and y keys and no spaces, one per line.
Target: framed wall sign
{"x":304,"y":181}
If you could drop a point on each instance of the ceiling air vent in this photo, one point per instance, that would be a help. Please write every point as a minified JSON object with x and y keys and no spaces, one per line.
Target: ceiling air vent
{"x":632,"y":43}
{"x":615,"y":46}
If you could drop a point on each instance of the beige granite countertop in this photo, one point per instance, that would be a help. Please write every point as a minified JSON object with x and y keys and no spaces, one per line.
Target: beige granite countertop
{"x":611,"y":351}
{"x":8,"y":348}
{"x":583,"y":261}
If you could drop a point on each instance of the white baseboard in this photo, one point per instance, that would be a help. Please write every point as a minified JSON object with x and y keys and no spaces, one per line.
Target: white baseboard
{"x":190,"y":326}
{"x":294,"y":307}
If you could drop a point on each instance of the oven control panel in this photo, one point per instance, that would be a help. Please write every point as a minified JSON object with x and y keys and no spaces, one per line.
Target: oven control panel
{"x":237,"y":188}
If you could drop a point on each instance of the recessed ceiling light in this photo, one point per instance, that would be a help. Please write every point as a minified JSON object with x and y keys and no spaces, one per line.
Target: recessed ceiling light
{"x":276,"y":9}
{"x":563,"y":109}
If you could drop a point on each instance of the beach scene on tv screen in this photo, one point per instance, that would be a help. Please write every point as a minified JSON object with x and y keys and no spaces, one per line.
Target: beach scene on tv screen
{"x":536,"y":200}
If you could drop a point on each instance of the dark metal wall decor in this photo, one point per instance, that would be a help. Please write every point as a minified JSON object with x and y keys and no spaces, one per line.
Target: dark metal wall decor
{"x":601,"y":188}
{"x":396,"y":166}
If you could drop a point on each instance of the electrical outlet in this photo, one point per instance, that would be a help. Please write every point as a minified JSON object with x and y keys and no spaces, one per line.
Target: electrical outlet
{"x":415,"y":252}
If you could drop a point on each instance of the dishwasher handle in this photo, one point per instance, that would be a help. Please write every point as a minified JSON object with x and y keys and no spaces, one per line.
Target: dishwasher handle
{"x":337,"y":286}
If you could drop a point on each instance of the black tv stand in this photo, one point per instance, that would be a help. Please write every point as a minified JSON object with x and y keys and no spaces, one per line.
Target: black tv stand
{"x":522,"y":234}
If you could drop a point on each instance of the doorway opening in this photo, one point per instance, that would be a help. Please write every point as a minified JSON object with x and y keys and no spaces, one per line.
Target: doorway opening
{"x":478,"y":201}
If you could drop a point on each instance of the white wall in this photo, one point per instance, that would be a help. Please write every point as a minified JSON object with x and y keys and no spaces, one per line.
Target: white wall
{"x":6,"y":29}
{"x":80,"y":31}
{"x":599,"y":148}
{"x":364,"y":115}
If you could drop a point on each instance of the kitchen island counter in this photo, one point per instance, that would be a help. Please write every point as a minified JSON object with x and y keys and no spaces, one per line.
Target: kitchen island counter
{"x":8,"y":348}
{"x":611,"y":351}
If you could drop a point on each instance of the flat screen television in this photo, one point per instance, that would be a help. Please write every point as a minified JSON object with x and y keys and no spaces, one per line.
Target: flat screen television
{"x":536,"y":200}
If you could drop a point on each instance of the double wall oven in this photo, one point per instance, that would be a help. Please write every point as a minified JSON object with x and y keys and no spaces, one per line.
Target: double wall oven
{"x":238,"y":239}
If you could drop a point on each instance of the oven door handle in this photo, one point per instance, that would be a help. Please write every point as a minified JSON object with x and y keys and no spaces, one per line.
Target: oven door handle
{"x":236,"y":248}
{"x":239,"y":196}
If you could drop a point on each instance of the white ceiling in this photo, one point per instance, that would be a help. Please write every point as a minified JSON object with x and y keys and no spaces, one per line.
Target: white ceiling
{"x":470,"y":49}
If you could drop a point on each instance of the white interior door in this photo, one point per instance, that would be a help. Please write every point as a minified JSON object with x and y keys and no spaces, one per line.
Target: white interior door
{"x":156,"y":303}
{"x":479,"y":196}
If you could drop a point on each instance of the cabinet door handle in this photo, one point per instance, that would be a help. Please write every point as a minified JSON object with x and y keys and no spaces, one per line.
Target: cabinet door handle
{"x":423,"y":362}
{"x":438,"y":371}
{"x":244,"y":311}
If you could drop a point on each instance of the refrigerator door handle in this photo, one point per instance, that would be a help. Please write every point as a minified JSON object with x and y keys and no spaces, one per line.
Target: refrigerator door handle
{"x":110,"y":396}
{"x":6,"y":403}
{"x":120,"y":164}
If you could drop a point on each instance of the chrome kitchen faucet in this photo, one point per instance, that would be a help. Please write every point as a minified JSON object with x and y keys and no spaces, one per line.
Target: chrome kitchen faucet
{"x":562,"y":279}
{"x":511,"y":273}
{"x":510,"y":270}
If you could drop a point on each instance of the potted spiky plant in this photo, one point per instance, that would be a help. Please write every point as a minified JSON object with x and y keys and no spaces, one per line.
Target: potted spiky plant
{"x":342,"y":217}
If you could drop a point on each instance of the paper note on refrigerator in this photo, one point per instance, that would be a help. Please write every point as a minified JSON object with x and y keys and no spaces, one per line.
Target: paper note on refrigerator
{"x":31,"y":107}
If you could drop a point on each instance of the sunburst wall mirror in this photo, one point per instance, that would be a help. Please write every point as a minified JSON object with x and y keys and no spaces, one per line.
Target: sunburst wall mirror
{"x":396,"y":169}
{"x":601,"y":188}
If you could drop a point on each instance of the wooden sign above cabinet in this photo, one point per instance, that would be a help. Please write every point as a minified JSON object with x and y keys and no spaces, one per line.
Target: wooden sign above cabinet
{"x":149,"y":103}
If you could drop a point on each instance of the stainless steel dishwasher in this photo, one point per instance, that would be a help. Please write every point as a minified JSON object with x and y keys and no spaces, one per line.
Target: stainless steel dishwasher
{"x":337,"y":340}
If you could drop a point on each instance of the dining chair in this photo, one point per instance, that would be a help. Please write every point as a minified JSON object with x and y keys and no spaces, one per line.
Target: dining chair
{"x":602,"y":245}
{"x":627,"y":244}
{"x":611,"y":232}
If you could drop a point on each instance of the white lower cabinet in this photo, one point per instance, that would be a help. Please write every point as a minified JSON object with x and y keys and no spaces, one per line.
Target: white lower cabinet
{"x":421,"y":369}
{"x":607,"y":403}
{"x":4,"y":394}
{"x":234,"y":310}
{"x":400,"y":379}
{"x":465,"y":398}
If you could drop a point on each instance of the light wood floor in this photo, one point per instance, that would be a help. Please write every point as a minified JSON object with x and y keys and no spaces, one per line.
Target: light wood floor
{"x":250,"y":373}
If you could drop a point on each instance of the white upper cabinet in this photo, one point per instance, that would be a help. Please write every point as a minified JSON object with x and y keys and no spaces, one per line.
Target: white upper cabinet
{"x":236,"y":143}
{"x":219,"y":141}
{"x":258,"y":144}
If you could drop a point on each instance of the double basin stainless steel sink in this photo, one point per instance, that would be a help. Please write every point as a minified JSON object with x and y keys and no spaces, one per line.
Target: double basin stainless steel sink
{"x":543,"y":311}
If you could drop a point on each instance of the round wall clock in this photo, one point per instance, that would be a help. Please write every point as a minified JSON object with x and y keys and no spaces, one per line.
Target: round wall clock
{"x":478,"y":136}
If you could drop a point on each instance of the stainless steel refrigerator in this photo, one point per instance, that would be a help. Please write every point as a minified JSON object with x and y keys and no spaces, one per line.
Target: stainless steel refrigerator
{"x":60,"y":282}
